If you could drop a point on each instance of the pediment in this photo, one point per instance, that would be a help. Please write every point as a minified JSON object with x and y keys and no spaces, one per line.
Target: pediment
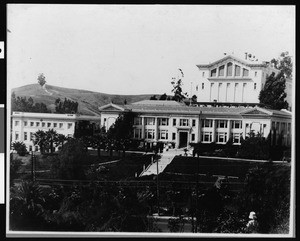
{"x":111,"y":108}
{"x":257,"y":111}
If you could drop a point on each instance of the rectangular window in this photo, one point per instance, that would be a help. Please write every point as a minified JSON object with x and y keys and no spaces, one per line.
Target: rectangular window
{"x":60,"y":125}
{"x":203,"y":86}
{"x":245,"y":72}
{"x":173,"y":136}
{"x":255,"y":86}
{"x":16,"y":123}
{"x":37,"y":124}
{"x":163,"y":121}
{"x":31,"y":123}
{"x":25,"y":136}
{"x":163,"y":135}
{"x":174,"y":122}
{"x":16,"y":135}
{"x":43,"y":124}
{"x":237,"y":70}
{"x":236,"y":124}
{"x":193,"y":122}
{"x":69,"y":125}
{"x":236,"y":138}
{"x":222,"y":123}
{"x":255,"y":73}
{"x":207,"y":136}
{"x":25,"y":123}
{"x":48,"y":124}
{"x":150,"y":134}
{"x":222,"y":137}
{"x":137,"y":121}
{"x":184,"y":122}
{"x":31,"y":136}
{"x":30,"y":148}
{"x":203,"y":74}
{"x":193,"y":137}
{"x":137,"y":133}
{"x":54,"y":124}
{"x":36,"y":148}
{"x":207,"y":123}
{"x":221,"y":70}
{"x":150,"y":121}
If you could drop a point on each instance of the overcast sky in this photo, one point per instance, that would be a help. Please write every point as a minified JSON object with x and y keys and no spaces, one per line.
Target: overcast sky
{"x":125,"y":49}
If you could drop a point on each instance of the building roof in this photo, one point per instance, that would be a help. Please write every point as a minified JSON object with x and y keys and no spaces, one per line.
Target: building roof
{"x":159,"y":103}
{"x":246,"y":62}
{"x":54,"y":116}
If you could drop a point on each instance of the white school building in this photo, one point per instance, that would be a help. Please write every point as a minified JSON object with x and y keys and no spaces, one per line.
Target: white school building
{"x":25,"y":124}
{"x":173,"y":122}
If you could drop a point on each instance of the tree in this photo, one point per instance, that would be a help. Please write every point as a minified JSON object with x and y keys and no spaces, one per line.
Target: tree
{"x":273,"y":94}
{"x":177,"y":88}
{"x":41,"y":140}
{"x":51,"y":136}
{"x":68,"y":164}
{"x":24,"y":105}
{"x":66,"y":107}
{"x":255,"y":147}
{"x":163,"y":97}
{"x":20,"y":148}
{"x":284,"y":64}
{"x":122,"y":128}
{"x":153,"y":97}
{"x":41,"y":79}
{"x":194,"y":98}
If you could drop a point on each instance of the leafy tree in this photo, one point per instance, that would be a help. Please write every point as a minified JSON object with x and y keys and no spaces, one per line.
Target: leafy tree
{"x":41,"y":79}
{"x":24,"y":105}
{"x":255,"y":147}
{"x":20,"y":148}
{"x":273,"y":94}
{"x":177,"y":88}
{"x":284,"y":63}
{"x":68,"y":164}
{"x":122,"y":128}
{"x":163,"y":97}
{"x":66,"y":107}
{"x":194,"y":98}
{"x":15,"y":165}
{"x":153,"y":97}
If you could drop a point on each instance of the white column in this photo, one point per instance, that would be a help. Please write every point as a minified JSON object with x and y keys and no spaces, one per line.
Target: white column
{"x":143,"y":127}
{"x":214,"y":131}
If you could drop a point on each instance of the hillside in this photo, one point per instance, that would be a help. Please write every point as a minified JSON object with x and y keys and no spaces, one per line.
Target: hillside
{"x":88,"y":101}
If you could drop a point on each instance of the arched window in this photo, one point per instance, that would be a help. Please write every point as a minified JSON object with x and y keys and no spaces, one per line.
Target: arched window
{"x":237,"y":71}
{"x":229,"y":69}
{"x":213,"y":73}
{"x":221,"y":70}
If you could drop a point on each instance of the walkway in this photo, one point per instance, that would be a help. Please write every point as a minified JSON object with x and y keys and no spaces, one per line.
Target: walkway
{"x":166,"y":159}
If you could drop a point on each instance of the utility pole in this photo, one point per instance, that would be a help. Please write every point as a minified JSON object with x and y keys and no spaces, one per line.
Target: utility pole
{"x":32,"y":166}
{"x":157,"y":189}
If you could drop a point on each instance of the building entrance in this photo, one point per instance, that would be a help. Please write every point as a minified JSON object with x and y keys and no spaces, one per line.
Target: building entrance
{"x":183,"y":139}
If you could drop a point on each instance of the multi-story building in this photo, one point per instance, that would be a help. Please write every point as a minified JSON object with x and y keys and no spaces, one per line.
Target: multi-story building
{"x":173,"y":122}
{"x":231,"y":79}
{"x":25,"y":124}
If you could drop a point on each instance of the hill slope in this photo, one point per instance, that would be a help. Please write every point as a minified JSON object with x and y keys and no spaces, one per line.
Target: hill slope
{"x":88,"y":101}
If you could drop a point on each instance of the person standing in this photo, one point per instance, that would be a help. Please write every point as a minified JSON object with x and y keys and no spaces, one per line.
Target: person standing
{"x":252,"y":225}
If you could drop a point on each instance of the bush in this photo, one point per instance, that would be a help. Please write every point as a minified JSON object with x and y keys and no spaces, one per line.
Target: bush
{"x":20,"y":148}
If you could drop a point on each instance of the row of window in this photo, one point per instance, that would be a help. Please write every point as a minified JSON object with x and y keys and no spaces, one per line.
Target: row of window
{"x":228,"y":85}
{"x":230,"y":68}
{"x":221,"y":137}
{"x":43,"y":124}
{"x":163,"y":121}
{"x":235,"y":124}
{"x":29,"y":136}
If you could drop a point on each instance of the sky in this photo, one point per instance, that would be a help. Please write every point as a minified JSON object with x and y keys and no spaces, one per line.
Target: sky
{"x":131,"y":49}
